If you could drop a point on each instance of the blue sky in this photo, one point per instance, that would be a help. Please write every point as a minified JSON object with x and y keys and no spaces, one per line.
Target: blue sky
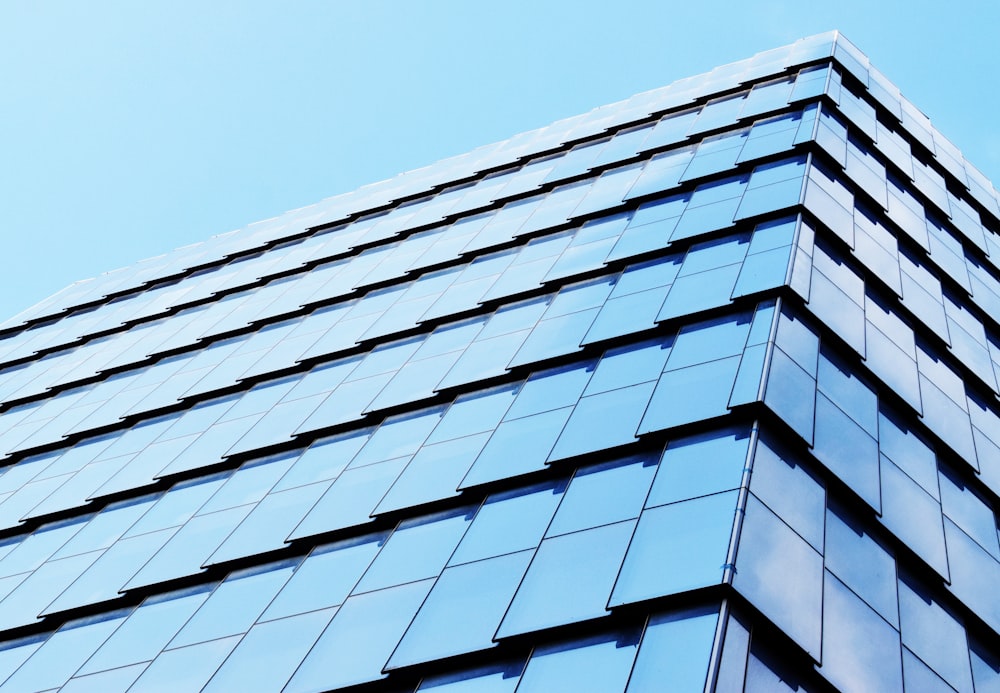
{"x":128,"y":129}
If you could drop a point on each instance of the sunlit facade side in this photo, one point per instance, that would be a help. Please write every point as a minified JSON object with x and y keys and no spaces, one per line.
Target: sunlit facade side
{"x":696,"y":391}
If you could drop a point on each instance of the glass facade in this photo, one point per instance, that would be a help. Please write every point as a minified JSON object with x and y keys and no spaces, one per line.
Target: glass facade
{"x":696,"y":391}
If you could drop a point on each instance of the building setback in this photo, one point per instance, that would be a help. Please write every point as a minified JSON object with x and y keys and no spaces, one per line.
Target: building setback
{"x":696,"y":391}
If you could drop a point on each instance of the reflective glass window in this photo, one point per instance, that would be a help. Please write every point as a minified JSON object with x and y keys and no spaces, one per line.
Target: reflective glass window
{"x":934,"y":634}
{"x":551,"y":389}
{"x":675,"y":647}
{"x":780,"y":574}
{"x":435,"y":472}
{"x":509,"y":522}
{"x":603,"y":421}
{"x":186,"y":668}
{"x":147,"y":630}
{"x":599,"y":664}
{"x":569,"y":580}
{"x":351,"y":499}
{"x":501,"y":678}
{"x":325,"y":459}
{"x":418,"y":549}
{"x":396,"y":437}
{"x":629,"y":365}
{"x":474,"y":413}
{"x":604,"y":494}
{"x":518,"y":447}
{"x":360,"y":638}
{"x":268,"y":523}
{"x":691,"y":394}
{"x":325,"y":577}
{"x":463,"y":610}
{"x":269,"y":653}
{"x":861,"y":563}
{"x":62,"y":654}
{"x":847,"y":450}
{"x":677,"y":547}
{"x":789,"y":490}
{"x":848,"y":621}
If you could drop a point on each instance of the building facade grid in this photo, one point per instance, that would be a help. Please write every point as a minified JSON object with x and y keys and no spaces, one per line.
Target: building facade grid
{"x":696,"y":391}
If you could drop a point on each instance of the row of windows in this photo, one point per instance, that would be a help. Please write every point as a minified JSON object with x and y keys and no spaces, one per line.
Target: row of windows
{"x":589,"y":156}
{"x":205,"y":434}
{"x":270,"y":654}
{"x":871,"y":242}
{"x":444,"y":584}
{"x":467,"y":352}
{"x":412,"y":458}
{"x":417,"y":458}
{"x":709,"y":274}
{"x":423,"y":250}
{"x":437,"y":586}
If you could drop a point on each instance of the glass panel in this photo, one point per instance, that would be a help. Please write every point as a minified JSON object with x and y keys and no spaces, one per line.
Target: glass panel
{"x":475,"y":413}
{"x":234,"y":605}
{"x":108,"y":573}
{"x":552,"y":389}
{"x":781,"y":575}
{"x":790,"y":491}
{"x":517,"y":447}
{"x":62,"y":654}
{"x":913,"y":516}
{"x":463,"y":610}
{"x":848,"y":392}
{"x":494,"y":679}
{"x":324,"y":459}
{"x":186,"y":668}
{"x":908,"y":450}
{"x":355,"y":646}
{"x":509,"y":522}
{"x":985,"y":671}
{"x":691,"y":394}
{"x":147,"y":630}
{"x":969,"y":511}
{"x":267,"y":657}
{"x":569,"y":580}
{"x":105,"y":681}
{"x":676,"y":548}
{"x":920,"y":677}
{"x":397,"y":437}
{"x":325,"y":577}
{"x":848,"y":621}
{"x":675,"y":648}
{"x":847,"y":450}
{"x":699,"y":466}
{"x":604,"y":494}
{"x":603,"y":421}
{"x":598,"y":665}
{"x":418,"y":549}
{"x":435,"y":472}
{"x":629,"y":365}
{"x":972,"y":572}
{"x":861,"y":563}
{"x":267,"y":525}
{"x":934,"y":634}
{"x":190,"y":547}
{"x":351,"y":499}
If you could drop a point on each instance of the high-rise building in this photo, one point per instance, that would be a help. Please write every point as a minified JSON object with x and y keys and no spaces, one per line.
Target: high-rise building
{"x":698,"y":390}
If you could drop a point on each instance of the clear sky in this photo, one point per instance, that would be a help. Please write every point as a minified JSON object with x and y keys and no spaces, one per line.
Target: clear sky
{"x":131,"y":128}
